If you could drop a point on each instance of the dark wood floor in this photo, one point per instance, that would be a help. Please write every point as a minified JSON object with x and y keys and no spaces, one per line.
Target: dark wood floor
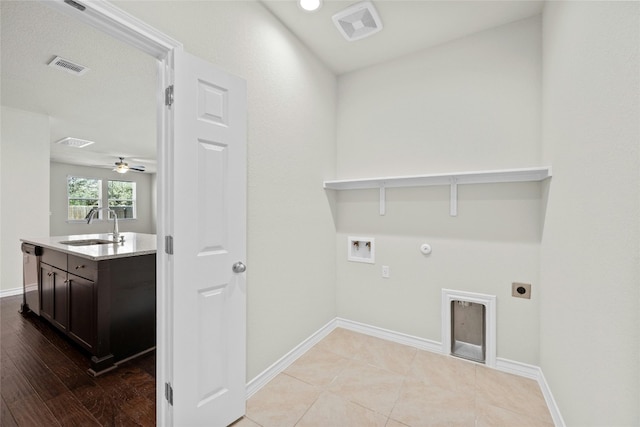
{"x":44,"y":379}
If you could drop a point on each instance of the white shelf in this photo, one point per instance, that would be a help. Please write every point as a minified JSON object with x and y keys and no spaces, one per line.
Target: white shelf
{"x":451,"y":179}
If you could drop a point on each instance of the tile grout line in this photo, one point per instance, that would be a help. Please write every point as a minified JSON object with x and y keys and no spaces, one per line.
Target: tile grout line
{"x":395,"y":403}
{"x":308,"y":409}
{"x":404,"y":381}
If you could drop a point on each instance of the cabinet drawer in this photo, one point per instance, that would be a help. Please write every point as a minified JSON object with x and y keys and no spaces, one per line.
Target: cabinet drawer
{"x":54,"y":258}
{"x":83,"y":267}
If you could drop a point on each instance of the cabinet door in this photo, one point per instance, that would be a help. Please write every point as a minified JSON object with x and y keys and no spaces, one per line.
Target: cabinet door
{"x":46,"y":291}
{"x":82,"y":311}
{"x":54,"y":295}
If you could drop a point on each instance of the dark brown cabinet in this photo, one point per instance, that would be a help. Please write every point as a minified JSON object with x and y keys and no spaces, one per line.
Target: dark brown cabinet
{"x":53,"y":294}
{"x":108,"y":307}
{"x":82,"y":311}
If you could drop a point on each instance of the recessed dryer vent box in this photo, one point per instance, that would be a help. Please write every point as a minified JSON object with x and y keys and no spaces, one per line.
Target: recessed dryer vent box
{"x":361,"y":249}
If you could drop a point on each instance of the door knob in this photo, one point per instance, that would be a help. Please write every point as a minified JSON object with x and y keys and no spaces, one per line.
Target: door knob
{"x":239,"y":267}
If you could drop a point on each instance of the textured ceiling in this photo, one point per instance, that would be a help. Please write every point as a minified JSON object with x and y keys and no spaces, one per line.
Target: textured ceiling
{"x":114,"y":104}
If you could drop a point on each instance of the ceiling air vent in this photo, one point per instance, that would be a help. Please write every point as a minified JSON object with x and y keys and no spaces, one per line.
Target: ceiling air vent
{"x":358,"y":21}
{"x":74,"y":142}
{"x":68,"y":66}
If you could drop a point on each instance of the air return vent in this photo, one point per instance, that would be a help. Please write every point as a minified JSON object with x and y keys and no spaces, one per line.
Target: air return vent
{"x":74,"y":142}
{"x":68,"y":66}
{"x":358,"y":21}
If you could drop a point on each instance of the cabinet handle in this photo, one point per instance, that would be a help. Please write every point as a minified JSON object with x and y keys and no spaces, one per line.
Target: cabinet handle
{"x":79,"y":267}
{"x":49,"y":274}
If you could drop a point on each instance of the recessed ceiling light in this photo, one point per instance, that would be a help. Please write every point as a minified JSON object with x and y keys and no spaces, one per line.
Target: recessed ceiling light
{"x":310,"y":5}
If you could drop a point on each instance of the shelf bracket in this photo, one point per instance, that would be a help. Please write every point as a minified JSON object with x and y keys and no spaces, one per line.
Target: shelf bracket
{"x":453,"y":197}
{"x":383,"y":200}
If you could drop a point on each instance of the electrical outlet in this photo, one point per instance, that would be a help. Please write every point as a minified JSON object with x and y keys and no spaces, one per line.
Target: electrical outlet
{"x":385,"y":271}
{"x":521,"y":290}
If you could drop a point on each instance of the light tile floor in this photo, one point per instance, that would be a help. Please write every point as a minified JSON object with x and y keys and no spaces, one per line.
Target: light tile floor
{"x":351,"y":380}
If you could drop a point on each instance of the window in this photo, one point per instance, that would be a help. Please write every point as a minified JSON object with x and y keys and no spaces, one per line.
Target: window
{"x":82,"y":194}
{"x":122,"y":198}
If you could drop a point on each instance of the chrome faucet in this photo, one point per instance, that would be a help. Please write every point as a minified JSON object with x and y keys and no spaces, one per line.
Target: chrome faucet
{"x":92,"y":213}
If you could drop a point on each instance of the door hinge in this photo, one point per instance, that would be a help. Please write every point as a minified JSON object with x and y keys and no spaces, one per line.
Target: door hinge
{"x":168,"y":244}
{"x":168,"y":96}
{"x":168,"y":393}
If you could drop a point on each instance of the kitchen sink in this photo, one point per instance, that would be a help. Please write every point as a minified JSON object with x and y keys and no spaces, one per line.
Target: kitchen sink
{"x":87,"y":242}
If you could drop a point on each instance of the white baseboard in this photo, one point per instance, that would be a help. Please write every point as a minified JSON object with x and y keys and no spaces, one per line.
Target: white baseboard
{"x":283,"y":363}
{"x":517,"y":368}
{"x":385,"y":334}
{"x":504,"y":365}
{"x":535,"y":373}
{"x":551,"y":402}
{"x":10,"y":292}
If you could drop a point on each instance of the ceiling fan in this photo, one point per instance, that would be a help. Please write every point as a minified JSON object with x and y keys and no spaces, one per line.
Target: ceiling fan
{"x":122,"y":167}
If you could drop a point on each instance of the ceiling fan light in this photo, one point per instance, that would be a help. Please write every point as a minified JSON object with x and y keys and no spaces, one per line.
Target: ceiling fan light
{"x":122,"y":168}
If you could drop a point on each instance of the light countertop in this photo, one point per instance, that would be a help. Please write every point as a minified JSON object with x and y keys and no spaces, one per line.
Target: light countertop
{"x":134,"y":244}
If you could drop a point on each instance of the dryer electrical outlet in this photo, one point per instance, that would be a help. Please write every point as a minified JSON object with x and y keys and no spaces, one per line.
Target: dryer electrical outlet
{"x":521,"y":290}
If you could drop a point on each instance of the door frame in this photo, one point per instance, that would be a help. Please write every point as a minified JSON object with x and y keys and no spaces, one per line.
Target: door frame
{"x":115,"y":22}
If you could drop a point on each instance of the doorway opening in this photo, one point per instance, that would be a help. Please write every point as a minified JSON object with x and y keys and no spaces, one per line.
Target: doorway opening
{"x":118,"y":24}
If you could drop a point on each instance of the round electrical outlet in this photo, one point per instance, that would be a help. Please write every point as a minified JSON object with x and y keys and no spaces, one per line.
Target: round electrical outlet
{"x":521,"y":290}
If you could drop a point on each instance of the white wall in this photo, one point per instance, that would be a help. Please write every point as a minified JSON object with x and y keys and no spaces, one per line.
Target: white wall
{"x":590,"y":258}
{"x":145,"y":207}
{"x":471,"y":104}
{"x":291,"y":149}
{"x":24,"y":175}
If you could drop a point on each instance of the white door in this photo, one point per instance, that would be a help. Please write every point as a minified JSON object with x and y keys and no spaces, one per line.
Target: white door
{"x":208,"y":213}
